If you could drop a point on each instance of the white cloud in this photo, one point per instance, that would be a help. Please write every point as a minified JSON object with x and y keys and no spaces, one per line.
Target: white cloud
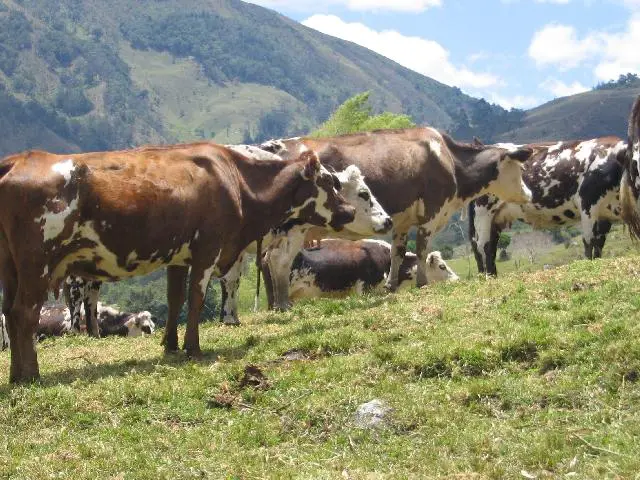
{"x":559,"y":45}
{"x":558,"y":2}
{"x":620,"y":52}
{"x":421,"y":55}
{"x":359,"y":5}
{"x":508,"y":101}
{"x":561,"y":89}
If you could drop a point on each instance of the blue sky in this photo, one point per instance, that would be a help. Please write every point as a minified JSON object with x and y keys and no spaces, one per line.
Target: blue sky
{"x":517,"y":53}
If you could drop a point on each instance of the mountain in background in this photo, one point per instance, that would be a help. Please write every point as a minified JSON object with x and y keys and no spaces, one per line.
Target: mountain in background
{"x":78,"y":75}
{"x":90,"y":75}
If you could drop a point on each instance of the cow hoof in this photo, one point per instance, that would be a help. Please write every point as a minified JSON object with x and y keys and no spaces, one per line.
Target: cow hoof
{"x":194,"y":353}
{"x":230,"y":320}
{"x":170,"y":346}
{"x":24,"y":379}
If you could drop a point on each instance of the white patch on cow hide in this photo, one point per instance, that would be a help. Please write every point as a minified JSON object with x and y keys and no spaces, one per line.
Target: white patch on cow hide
{"x":555,"y":147}
{"x":511,"y":147}
{"x":585,"y":149}
{"x":435,"y":147}
{"x":64,"y":168}
{"x":54,"y":221}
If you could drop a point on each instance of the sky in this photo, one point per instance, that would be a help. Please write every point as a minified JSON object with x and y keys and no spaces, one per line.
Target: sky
{"x":516,"y":53}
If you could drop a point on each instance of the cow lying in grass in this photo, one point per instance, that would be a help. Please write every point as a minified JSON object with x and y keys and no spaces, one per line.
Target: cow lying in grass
{"x":338,"y":268}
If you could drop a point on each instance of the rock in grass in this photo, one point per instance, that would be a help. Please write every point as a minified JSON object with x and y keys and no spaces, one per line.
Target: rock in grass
{"x":373,"y":414}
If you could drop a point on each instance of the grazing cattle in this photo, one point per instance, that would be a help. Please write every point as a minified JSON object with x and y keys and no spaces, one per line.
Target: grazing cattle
{"x":571,"y":182}
{"x":112,"y":215}
{"x":4,"y":335}
{"x":630,"y":184}
{"x":370,"y":219}
{"x":114,"y":322}
{"x":338,"y":268}
{"x":420,"y":177}
{"x":55,"y":321}
{"x":79,"y":292}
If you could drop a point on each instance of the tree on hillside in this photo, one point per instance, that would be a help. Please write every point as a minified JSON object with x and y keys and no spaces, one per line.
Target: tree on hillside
{"x":355,"y":115}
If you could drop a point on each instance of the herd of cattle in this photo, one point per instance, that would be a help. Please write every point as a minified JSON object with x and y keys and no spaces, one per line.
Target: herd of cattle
{"x":197,"y":209}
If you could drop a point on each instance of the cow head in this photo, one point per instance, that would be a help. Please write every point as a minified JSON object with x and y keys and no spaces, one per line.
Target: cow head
{"x":509,"y":186}
{"x":370,"y":219}
{"x":140,"y":323}
{"x":317,"y":200}
{"x":4,"y":334}
{"x":438,"y":270}
{"x":630,"y":183}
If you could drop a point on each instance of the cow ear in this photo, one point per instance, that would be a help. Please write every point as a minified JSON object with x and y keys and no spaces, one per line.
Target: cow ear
{"x":520,"y":155}
{"x":311,"y":166}
{"x":432,"y":259}
{"x":477,"y":142}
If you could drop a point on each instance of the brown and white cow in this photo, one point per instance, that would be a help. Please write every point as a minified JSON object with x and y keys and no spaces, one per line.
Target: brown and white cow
{"x":338,"y":268}
{"x":630,"y":183}
{"x":370,"y":219}
{"x":571,"y":182}
{"x":114,"y":322}
{"x":79,"y":292}
{"x":55,"y":321}
{"x":113,"y":215}
{"x":420,"y":177}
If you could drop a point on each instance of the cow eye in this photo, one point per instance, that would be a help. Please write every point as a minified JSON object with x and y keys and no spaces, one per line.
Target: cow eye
{"x":366,"y":196}
{"x":443,"y":267}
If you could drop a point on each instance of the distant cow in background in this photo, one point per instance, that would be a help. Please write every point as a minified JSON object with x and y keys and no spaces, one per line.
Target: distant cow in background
{"x":571,"y":182}
{"x":79,"y":292}
{"x":338,"y":268}
{"x":55,"y":321}
{"x":114,"y":322}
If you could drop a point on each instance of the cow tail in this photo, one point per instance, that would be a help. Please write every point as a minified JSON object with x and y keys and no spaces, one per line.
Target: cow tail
{"x":256,"y":302}
{"x":472,"y":220}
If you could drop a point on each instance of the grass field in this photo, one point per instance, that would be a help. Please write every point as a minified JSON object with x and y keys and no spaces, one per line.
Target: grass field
{"x":531,"y":375}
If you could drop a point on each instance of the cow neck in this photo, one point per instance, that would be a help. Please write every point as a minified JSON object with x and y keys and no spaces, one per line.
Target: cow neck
{"x":268,"y":194}
{"x":475,"y":169}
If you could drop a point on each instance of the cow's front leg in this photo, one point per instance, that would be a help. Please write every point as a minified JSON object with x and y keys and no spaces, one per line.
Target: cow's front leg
{"x":23,"y":321}
{"x":601,"y":229}
{"x":398,"y":250}
{"x":423,"y":247}
{"x":176,"y":283}
{"x":230,"y":284}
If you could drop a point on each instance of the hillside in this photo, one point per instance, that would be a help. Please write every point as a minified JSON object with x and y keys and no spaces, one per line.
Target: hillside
{"x":599,"y":112}
{"x":531,"y":375}
{"x":83,"y":74}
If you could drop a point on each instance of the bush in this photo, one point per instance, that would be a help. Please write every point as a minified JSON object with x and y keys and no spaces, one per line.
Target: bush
{"x":447,"y":252}
{"x":73,"y":102}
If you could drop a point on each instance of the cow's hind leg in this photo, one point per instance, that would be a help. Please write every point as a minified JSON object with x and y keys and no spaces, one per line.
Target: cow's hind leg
{"x":423,"y":246}
{"x":231,"y":284}
{"x":398,"y":250}
{"x":73,"y":290}
{"x":600,"y":230}
{"x":176,"y":284}
{"x":91,"y":295}
{"x":23,"y":324}
{"x":198,"y":283}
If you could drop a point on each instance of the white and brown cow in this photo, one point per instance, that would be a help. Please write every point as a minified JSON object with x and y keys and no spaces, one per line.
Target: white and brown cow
{"x":114,"y":322}
{"x":370,"y":219}
{"x":420,"y":177}
{"x":575,"y":182}
{"x":54,"y":321}
{"x":338,"y":268}
{"x":630,"y":183}
{"x":113,"y":215}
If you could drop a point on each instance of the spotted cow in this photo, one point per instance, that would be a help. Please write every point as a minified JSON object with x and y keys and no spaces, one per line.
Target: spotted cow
{"x":55,"y":321}
{"x":574,"y":182}
{"x":79,"y":292}
{"x":420,"y":176}
{"x":113,"y":215}
{"x":338,"y":268}
{"x":370,"y":219}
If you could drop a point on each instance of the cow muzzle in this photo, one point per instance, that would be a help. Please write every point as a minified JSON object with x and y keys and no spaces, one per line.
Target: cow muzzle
{"x":386,"y":226}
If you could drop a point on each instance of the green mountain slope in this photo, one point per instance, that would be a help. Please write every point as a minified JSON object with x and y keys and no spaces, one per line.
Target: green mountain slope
{"x":587,"y":115}
{"x":84,"y":74}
